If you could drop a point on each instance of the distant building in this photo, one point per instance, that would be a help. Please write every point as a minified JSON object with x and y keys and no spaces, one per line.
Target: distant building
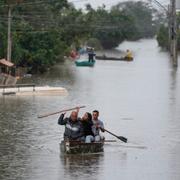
{"x":7,"y":73}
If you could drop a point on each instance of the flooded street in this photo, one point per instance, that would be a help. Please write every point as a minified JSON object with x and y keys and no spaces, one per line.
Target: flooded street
{"x":139,"y":100}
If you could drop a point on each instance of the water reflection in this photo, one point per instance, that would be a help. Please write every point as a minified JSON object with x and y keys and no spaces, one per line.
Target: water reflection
{"x":139,"y":100}
{"x":82,"y":166}
{"x":60,"y":75}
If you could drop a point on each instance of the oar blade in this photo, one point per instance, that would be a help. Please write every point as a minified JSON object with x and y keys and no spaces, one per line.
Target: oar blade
{"x":122,"y":139}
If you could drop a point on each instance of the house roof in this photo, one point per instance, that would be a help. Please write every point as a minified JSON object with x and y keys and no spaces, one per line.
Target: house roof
{"x":6,"y":63}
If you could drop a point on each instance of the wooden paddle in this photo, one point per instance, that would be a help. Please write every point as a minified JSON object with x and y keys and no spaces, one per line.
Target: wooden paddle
{"x":119,"y":137}
{"x":64,"y":110}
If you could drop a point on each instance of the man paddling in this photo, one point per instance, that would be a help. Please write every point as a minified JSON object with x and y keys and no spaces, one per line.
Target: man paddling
{"x":73,"y":126}
{"x":98,"y":126}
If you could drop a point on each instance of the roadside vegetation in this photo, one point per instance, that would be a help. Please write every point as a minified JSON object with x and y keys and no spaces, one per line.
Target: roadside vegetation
{"x":45,"y":31}
{"x":163,"y":34}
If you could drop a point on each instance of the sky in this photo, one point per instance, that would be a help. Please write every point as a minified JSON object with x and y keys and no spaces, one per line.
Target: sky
{"x":108,"y":3}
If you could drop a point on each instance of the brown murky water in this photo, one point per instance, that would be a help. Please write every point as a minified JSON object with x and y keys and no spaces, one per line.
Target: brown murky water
{"x":139,"y":100}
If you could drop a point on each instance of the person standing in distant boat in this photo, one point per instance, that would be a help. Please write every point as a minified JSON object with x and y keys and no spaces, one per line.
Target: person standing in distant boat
{"x":91,"y":54}
{"x":98,"y":126}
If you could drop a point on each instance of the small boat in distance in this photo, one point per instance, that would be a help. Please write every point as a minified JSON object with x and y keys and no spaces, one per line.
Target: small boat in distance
{"x":78,"y":147}
{"x":104,"y":57}
{"x":85,"y":63}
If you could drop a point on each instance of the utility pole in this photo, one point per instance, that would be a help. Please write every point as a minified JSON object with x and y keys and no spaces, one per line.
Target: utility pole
{"x":173,"y":38}
{"x":9,"y":41}
{"x":172,"y":28}
{"x":169,"y":28}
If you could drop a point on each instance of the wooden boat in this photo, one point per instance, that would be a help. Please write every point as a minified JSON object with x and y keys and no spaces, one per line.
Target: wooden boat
{"x":113,"y":58}
{"x":78,"y":147}
{"x":85,"y":63}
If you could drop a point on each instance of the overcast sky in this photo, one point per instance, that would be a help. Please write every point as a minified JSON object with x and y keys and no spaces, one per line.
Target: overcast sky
{"x":108,"y":3}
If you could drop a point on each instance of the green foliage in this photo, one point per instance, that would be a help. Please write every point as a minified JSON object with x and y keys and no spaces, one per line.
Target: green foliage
{"x":44,"y":31}
{"x":142,"y":14}
{"x":3,"y":43}
{"x":36,"y":44}
{"x":125,"y":21}
{"x":38,"y":50}
{"x":93,"y":42}
{"x":162,"y":37}
{"x":117,"y":27}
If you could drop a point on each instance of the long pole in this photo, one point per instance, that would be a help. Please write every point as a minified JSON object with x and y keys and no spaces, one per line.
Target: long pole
{"x":9,"y":41}
{"x":64,"y":110}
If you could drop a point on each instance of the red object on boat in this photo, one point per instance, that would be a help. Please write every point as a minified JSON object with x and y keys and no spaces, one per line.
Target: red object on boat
{"x":74,"y":54}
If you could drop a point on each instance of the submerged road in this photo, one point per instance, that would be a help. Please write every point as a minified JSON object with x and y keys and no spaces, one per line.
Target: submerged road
{"x":139,"y":100}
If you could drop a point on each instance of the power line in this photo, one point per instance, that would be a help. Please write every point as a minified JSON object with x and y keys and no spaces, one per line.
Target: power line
{"x":160,"y":5}
{"x":38,"y":2}
{"x":79,"y":26}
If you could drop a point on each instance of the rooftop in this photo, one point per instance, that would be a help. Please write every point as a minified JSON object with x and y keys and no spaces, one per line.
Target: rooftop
{"x":6,"y":63}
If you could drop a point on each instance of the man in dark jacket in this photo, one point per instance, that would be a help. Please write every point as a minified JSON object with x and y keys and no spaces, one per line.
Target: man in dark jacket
{"x":91,"y":54}
{"x":73,"y":126}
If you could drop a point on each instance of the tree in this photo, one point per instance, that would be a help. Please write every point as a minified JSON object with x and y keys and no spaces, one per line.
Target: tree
{"x":142,"y":14}
{"x":44,"y":31}
{"x":36,"y":43}
{"x":162,"y":37}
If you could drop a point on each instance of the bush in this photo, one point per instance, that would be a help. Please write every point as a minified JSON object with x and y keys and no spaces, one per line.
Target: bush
{"x":163,"y":37}
{"x":93,"y":42}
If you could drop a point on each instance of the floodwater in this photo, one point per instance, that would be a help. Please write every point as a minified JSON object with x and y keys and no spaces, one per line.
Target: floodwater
{"x":139,"y":100}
